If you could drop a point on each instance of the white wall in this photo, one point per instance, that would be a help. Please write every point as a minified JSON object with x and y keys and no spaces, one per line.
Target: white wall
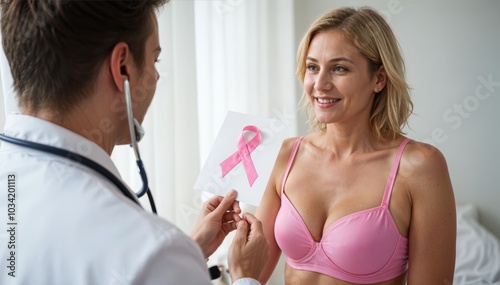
{"x":451,"y":47}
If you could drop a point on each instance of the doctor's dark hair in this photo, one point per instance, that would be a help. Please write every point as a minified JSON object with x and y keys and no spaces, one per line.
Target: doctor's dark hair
{"x":55,"y":48}
{"x":371,"y":35}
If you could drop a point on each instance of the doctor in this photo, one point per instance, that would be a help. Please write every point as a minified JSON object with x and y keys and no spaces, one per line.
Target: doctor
{"x":74,"y":63}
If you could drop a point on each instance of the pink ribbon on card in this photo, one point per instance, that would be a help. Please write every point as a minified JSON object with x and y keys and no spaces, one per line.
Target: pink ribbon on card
{"x":243,"y":155}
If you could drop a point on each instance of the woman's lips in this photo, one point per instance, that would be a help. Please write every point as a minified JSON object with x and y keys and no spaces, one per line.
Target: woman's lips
{"x":327,"y":102}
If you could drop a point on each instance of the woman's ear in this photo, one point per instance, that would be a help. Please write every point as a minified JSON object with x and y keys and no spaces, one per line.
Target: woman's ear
{"x":120,"y":63}
{"x":381,"y":77}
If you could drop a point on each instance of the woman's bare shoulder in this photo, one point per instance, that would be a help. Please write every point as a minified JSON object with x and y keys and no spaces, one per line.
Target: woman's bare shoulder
{"x":288,"y":144}
{"x":424,"y":166}
{"x":285,"y":150}
{"x":423,"y":157}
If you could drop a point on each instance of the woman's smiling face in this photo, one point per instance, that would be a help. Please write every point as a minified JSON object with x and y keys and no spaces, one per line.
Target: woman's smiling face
{"x":337,"y":79}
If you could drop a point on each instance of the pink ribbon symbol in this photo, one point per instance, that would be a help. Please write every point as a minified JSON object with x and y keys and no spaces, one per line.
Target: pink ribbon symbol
{"x":243,"y":155}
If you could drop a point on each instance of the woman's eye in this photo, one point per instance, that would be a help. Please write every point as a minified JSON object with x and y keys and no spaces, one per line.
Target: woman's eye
{"x":312,"y":67}
{"x":157,"y":60}
{"x":339,"y":69}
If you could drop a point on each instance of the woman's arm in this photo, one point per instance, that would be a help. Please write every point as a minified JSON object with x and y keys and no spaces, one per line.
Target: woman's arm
{"x":432,"y":234}
{"x":270,"y":205}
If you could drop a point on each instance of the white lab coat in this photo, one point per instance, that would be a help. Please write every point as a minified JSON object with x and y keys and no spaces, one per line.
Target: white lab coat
{"x":72,"y":226}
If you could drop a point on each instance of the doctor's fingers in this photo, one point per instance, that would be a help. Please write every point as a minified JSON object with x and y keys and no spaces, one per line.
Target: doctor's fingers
{"x":230,"y":217}
{"x":253,"y":251}
{"x":219,"y":205}
{"x":229,"y":227}
{"x":255,"y":224}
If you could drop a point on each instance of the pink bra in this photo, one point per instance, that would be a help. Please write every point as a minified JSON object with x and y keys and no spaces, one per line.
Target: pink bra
{"x":363,"y":247}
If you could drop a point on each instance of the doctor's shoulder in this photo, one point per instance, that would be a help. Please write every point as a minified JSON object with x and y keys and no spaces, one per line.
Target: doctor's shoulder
{"x":159,"y":252}
{"x":163,"y":254}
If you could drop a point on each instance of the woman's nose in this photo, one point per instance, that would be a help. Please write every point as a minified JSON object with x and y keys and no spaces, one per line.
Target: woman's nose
{"x":323,"y":81}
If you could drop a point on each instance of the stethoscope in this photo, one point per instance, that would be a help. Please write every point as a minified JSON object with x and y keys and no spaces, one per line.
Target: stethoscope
{"x":136,"y":134}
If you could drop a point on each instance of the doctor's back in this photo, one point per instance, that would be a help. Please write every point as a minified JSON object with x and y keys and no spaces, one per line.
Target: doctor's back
{"x":63,"y":222}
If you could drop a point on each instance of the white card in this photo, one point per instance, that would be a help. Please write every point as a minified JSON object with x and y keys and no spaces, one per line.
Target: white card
{"x":272,"y":134}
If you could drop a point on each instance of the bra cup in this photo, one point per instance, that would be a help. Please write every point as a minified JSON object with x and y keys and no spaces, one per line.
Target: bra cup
{"x":290,"y":235}
{"x":363,"y":244}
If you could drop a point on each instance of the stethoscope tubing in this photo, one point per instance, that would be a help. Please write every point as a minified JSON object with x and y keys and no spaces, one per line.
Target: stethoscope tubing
{"x":87,"y":162}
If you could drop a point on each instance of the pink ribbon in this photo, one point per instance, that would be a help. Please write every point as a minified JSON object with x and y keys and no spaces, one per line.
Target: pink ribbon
{"x":243,"y":155}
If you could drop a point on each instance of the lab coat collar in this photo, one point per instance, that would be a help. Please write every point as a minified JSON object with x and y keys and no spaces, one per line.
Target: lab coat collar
{"x":37,"y":130}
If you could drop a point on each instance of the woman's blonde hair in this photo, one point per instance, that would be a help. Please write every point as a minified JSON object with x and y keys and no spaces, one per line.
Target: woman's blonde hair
{"x":373,"y":37}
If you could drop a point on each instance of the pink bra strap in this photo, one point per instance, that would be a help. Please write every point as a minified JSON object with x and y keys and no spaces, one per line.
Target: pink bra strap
{"x":290,"y":161}
{"x":394,"y":171}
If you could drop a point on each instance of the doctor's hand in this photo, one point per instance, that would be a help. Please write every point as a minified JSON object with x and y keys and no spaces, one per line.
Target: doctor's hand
{"x":249,"y":251}
{"x":217,"y":219}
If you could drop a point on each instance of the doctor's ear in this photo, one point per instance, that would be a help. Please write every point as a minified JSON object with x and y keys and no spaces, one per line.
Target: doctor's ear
{"x":120,"y":62}
{"x":123,"y":71}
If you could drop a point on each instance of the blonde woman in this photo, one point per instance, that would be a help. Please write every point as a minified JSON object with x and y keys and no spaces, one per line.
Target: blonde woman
{"x":354,"y":201}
